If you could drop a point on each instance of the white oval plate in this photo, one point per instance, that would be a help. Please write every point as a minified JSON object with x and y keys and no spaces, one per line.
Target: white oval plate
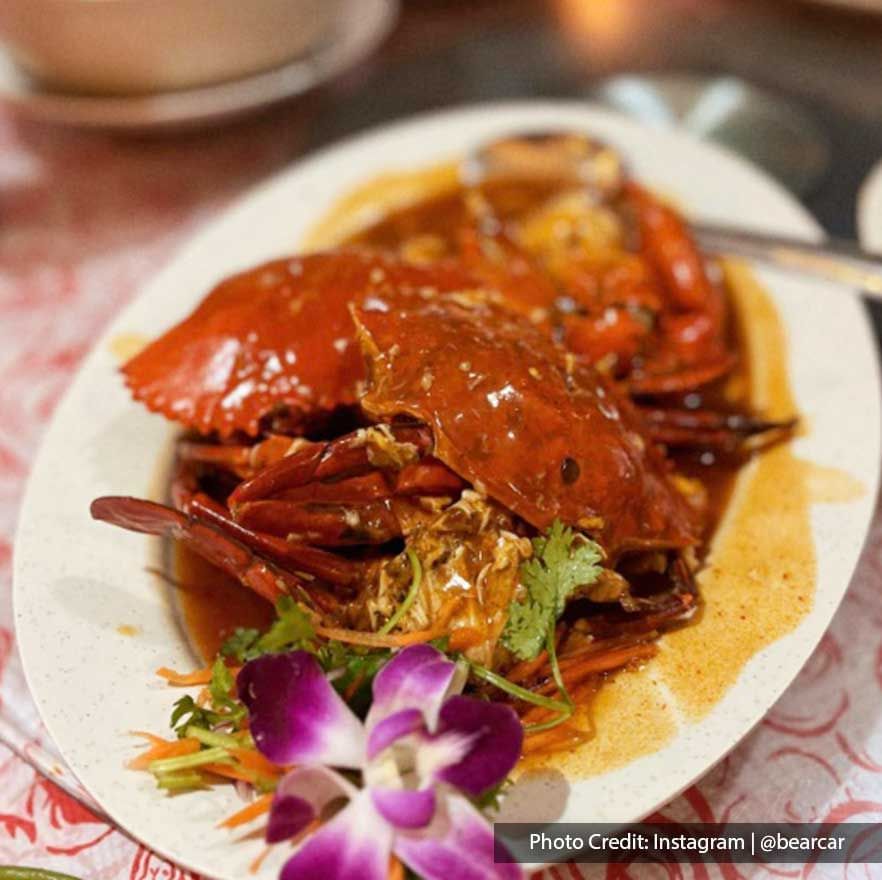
{"x":77,"y":581}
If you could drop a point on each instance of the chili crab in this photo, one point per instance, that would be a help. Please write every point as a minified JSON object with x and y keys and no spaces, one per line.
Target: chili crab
{"x":461,"y":392}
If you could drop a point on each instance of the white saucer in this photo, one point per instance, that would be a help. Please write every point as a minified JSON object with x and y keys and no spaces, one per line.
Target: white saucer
{"x":362,"y":26}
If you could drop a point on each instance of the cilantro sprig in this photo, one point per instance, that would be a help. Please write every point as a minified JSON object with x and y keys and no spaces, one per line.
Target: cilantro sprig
{"x":561,"y":562}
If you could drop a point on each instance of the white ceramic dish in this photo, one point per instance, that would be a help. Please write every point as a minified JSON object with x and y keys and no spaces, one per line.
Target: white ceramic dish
{"x":358,"y":29}
{"x":140,"y":46}
{"x":869,"y":210}
{"x":76,"y":581}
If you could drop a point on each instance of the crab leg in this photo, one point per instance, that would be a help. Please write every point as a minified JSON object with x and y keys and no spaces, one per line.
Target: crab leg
{"x":347,"y":456}
{"x":372,"y":486}
{"x":661,"y":610}
{"x":191,"y":500}
{"x":692,"y":346}
{"x":225,"y":552}
{"x":679,"y":380}
{"x":426,"y":477}
{"x":243,"y":461}
{"x":293,"y":470}
{"x":697,"y":428}
{"x":327,"y":566}
{"x":325,"y":525}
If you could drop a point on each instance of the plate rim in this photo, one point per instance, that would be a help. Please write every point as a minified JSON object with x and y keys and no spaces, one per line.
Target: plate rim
{"x":592,"y":114}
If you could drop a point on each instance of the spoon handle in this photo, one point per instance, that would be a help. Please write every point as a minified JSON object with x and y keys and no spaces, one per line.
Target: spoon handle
{"x":842,"y":262}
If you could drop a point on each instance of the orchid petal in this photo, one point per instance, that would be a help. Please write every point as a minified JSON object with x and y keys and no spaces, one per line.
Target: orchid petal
{"x":300,"y":797}
{"x":457,"y":843}
{"x":296,"y":716}
{"x":418,"y":676}
{"x":405,"y":808}
{"x":354,"y":845}
{"x":392,"y":728}
{"x":434,"y":754}
{"x":494,"y":735}
{"x":289,"y":816}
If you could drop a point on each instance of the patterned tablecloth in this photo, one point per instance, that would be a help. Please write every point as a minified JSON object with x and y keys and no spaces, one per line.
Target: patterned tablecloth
{"x":84,"y":220}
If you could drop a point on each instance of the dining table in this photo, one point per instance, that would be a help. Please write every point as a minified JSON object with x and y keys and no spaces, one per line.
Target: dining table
{"x":88,"y":216}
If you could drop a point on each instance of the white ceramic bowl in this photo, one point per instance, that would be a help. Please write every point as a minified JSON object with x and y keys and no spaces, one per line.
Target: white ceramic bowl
{"x":143,"y":46}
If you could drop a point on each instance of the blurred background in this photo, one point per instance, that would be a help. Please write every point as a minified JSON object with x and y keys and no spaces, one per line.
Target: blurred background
{"x":139,"y":118}
{"x":797,"y":86}
{"x":816,"y":123}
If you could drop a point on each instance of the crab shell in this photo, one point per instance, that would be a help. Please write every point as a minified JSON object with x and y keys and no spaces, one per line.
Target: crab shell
{"x":520,"y":419}
{"x":279,"y":335}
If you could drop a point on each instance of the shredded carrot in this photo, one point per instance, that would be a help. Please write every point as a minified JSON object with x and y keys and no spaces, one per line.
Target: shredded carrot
{"x":200,"y":676}
{"x":230,"y":771}
{"x":576,"y":669}
{"x":579,"y":666}
{"x":393,"y":640}
{"x":375,"y":640}
{"x":253,"y":760}
{"x":203,"y":697}
{"x":396,"y":869}
{"x":151,"y":737}
{"x":555,"y":739}
{"x":578,"y":694}
{"x":175,"y":749}
{"x":527,"y":668}
{"x":601,"y":662}
{"x":256,"y":808}
{"x":465,"y":637}
{"x":255,"y":866}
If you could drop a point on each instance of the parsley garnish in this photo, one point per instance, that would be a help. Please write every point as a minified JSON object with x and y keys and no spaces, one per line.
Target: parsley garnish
{"x":239,"y":644}
{"x":354,"y":667}
{"x":561,"y":562}
{"x":291,"y":631}
{"x":222,"y":688}
{"x":186,"y":712}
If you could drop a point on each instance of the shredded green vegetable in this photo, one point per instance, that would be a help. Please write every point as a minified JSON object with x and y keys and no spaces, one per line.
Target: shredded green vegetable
{"x":212,"y":738}
{"x":180,"y":781}
{"x":516,"y":690}
{"x":215,"y":755}
{"x":404,"y":607}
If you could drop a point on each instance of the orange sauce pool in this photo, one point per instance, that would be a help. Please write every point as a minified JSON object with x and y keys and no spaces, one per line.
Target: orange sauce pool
{"x":758,"y":580}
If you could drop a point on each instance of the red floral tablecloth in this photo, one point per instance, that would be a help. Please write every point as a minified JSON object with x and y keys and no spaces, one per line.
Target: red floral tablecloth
{"x":84,"y":220}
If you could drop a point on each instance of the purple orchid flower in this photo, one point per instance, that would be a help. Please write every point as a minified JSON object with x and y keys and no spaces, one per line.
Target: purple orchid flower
{"x":421,"y":752}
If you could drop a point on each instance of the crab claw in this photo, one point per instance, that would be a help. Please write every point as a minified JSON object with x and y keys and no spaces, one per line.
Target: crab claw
{"x":223,"y":551}
{"x":276,"y":336}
